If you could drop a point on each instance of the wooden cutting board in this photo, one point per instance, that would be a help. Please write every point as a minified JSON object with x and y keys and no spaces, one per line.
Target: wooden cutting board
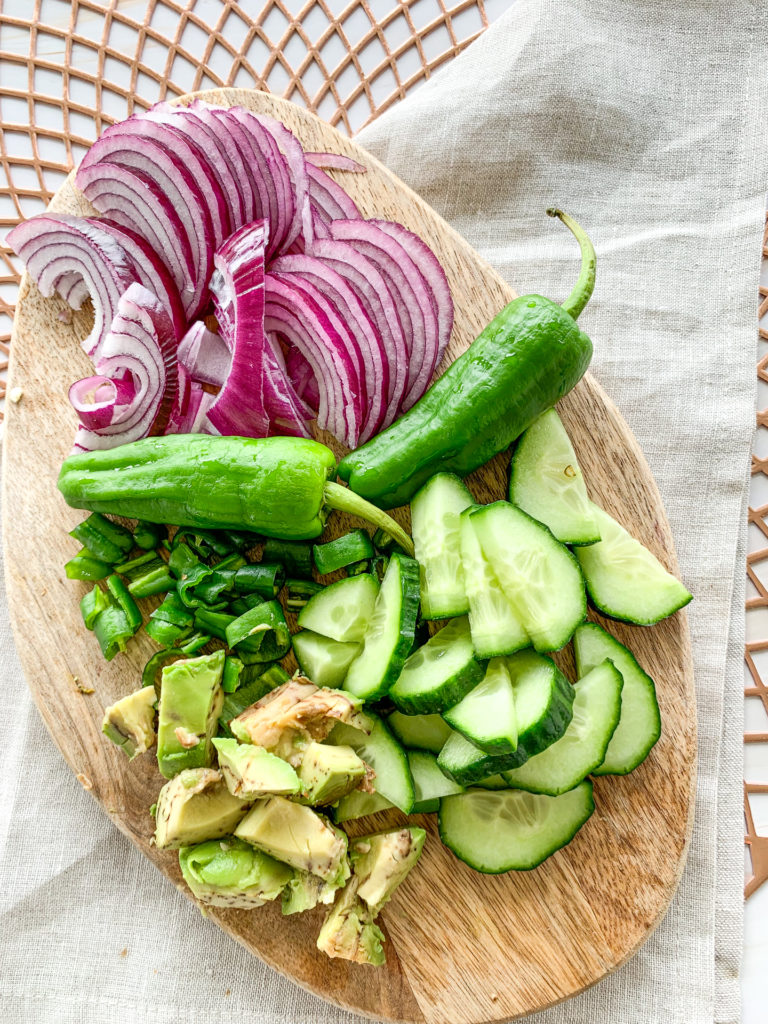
{"x":462,"y":948}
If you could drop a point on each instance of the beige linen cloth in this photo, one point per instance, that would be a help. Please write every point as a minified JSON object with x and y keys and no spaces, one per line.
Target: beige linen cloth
{"x":646,"y":121}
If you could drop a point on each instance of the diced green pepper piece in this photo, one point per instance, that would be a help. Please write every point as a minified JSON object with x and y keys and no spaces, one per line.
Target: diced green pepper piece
{"x":294,"y":556}
{"x":213,"y":623}
{"x":112,"y":629}
{"x":265,"y":625}
{"x":147,"y":575}
{"x":189,"y":571}
{"x":194,"y":643}
{"x":346,"y":550}
{"x":84,"y":566}
{"x":299,"y":592}
{"x":165,"y":633}
{"x":119,"y":591}
{"x":233,"y":669}
{"x":264,"y":579}
{"x":149,"y":535}
{"x":174,"y":610}
{"x":92,"y":604}
{"x":150,"y":675}
{"x":108,"y":541}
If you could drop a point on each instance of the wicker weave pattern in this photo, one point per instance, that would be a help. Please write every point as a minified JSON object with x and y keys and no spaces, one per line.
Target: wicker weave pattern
{"x":69,"y":69}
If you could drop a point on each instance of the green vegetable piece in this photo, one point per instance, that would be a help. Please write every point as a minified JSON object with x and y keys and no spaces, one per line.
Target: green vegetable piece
{"x":214,"y":623}
{"x":351,"y":547}
{"x":230,"y":873}
{"x":300,"y":592}
{"x":130,"y":722}
{"x":191,"y":700}
{"x":92,"y":605}
{"x":194,"y":643}
{"x":251,"y":772}
{"x":194,"y":806}
{"x":106,"y":541}
{"x":120,"y":592}
{"x":149,"y":536}
{"x":250,"y":691}
{"x":190,"y":572}
{"x":85,"y":567}
{"x":440,"y":673}
{"x":165,"y":633}
{"x":298,"y":836}
{"x":277,"y":486}
{"x":423,"y":732}
{"x":147,"y":575}
{"x":151,"y":674}
{"x":265,"y":628}
{"x":527,"y":358}
{"x":328,"y":772}
{"x":429,"y":782}
{"x":381,"y":752}
{"x":305,"y":891}
{"x":323,"y":660}
{"x":487,"y":715}
{"x":116,"y":623}
{"x":263,"y":579}
{"x":381,"y":862}
{"x":349,"y":932}
{"x":233,"y":669}
{"x":172,"y":609}
{"x":435,"y":519}
{"x":295,"y":558}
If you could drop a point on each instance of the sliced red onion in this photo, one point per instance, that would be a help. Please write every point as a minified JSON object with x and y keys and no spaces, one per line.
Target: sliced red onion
{"x":132,"y":199}
{"x":142,"y":342}
{"x":328,"y":200}
{"x":76,"y":258}
{"x":237,"y":285}
{"x":302,"y":378}
{"x":410,"y":292}
{"x":374,"y":371}
{"x":290,"y":147}
{"x":372,"y":290}
{"x":303,"y":317}
{"x":94,"y":399}
{"x":430,"y":267}
{"x":288,"y":414}
{"x":334,"y":162}
{"x":205,"y":355}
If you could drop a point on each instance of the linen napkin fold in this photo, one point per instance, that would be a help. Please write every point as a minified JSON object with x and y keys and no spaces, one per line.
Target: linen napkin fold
{"x":645,"y":120}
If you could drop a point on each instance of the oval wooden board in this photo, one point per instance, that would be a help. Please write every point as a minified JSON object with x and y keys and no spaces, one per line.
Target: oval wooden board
{"x":462,"y":947}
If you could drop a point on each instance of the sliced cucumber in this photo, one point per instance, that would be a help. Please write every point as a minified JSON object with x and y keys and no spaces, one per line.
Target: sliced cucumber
{"x":359,"y":804}
{"x":539,"y":576}
{"x":640,"y":722}
{"x":435,"y":511}
{"x":486,"y":716}
{"x":581,"y":749}
{"x":493,"y":782}
{"x":493,"y":622}
{"x":625,"y":580}
{"x":342,"y":610}
{"x":509,"y":829}
{"x":389,"y":636}
{"x":381,"y":752}
{"x":429,"y":782}
{"x":323,"y":660}
{"x":440,"y":673}
{"x":546,"y":482}
{"x":422,"y":732}
{"x":544,"y":708}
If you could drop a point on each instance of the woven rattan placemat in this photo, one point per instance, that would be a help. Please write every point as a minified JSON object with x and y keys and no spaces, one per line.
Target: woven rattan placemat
{"x":69,"y":69}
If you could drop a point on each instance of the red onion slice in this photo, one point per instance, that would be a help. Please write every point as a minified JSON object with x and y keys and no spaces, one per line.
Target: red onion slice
{"x":334,"y":162}
{"x":237,"y":285}
{"x":142,"y":342}
{"x":76,"y":258}
{"x":300,"y":228}
{"x":302,"y":378}
{"x":374,"y":371}
{"x":328,"y":200}
{"x":287,"y":412}
{"x":205,"y":355}
{"x":94,"y":399}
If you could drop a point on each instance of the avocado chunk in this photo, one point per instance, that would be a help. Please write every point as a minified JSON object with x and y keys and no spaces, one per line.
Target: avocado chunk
{"x":194,"y":806}
{"x":297,"y":835}
{"x":381,"y":861}
{"x":288,"y":718}
{"x":304,"y":891}
{"x":230,"y":873}
{"x":190,"y":702}
{"x":349,"y":931}
{"x":251,"y":772}
{"x":327,"y":773}
{"x":130,"y":722}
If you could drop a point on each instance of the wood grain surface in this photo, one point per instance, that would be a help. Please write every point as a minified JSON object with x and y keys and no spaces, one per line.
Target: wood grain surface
{"x":462,"y":947}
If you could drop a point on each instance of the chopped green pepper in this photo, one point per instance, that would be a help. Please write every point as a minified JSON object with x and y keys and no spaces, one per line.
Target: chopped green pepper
{"x":85,"y":566}
{"x":151,"y":674}
{"x":263,"y":627}
{"x":120,"y":592}
{"x":295,"y":557}
{"x":233,"y":669}
{"x":264,"y":579}
{"x":149,"y":536}
{"x":345,"y":550}
{"x":189,"y":571}
{"x":92,"y":604}
{"x":194,"y":643}
{"x":147,"y":575}
{"x":299,"y":592}
{"x":108,"y":541}
{"x":116,"y":623}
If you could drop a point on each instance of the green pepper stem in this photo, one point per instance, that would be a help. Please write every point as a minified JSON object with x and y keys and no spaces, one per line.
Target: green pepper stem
{"x":345,"y":500}
{"x":582,"y":290}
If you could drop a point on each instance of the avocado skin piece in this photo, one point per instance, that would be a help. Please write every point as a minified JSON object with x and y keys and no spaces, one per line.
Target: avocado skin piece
{"x":195,"y":806}
{"x":349,"y":931}
{"x":191,"y":698}
{"x":252,"y":772}
{"x":381,"y":861}
{"x":327,"y":773}
{"x":130,"y":722}
{"x":230,"y":873}
{"x":304,"y":891}
{"x":297,"y":835}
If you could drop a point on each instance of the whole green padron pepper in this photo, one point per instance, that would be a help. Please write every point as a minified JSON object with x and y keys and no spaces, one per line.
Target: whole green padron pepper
{"x":523,"y":363}
{"x":275,"y":486}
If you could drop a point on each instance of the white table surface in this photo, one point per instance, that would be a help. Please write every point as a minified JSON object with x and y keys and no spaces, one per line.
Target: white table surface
{"x":755,"y":967}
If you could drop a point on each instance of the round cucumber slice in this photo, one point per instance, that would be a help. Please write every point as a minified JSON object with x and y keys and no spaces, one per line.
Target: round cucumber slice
{"x":509,"y":829}
{"x":547,"y":483}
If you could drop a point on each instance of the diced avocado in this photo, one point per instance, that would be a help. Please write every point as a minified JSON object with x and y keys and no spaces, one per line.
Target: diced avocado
{"x":304,"y":891}
{"x":298,"y":836}
{"x":287,"y":719}
{"x":194,"y":806}
{"x":251,"y":772}
{"x":190,"y":702}
{"x":327,"y":773}
{"x":230,"y":873}
{"x":130,"y":722}
{"x":380,"y":862}
{"x":349,"y":932}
